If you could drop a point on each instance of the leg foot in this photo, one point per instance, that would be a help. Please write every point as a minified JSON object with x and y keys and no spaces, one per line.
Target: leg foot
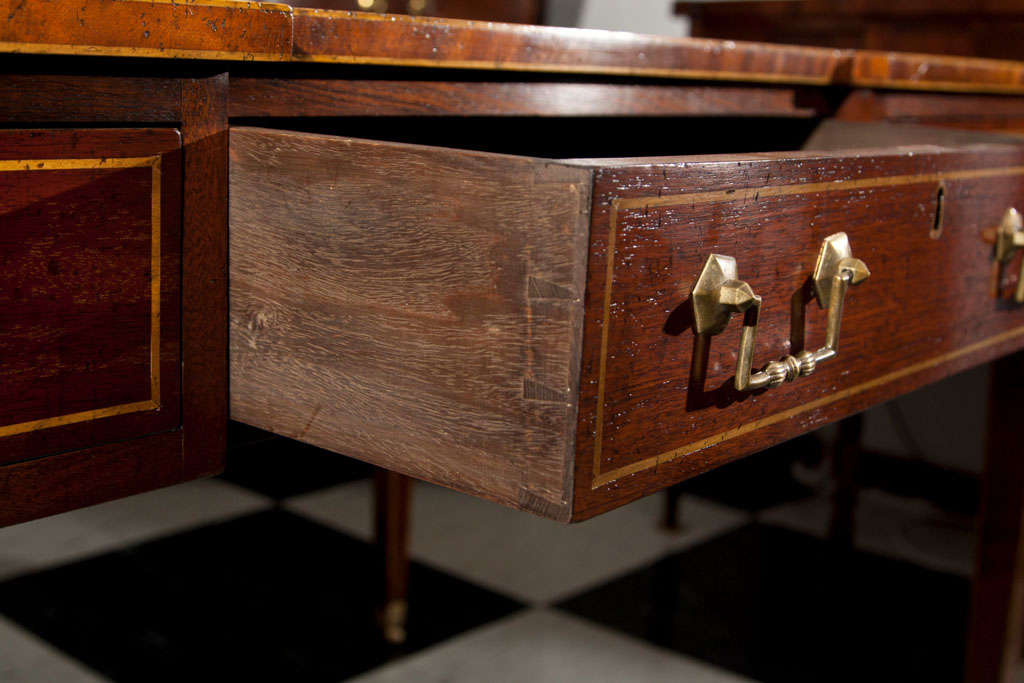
{"x":392,"y":621}
{"x":392,"y":491}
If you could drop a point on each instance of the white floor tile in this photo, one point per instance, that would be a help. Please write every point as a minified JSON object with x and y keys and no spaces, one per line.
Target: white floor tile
{"x":24,"y":658}
{"x":62,"y":538}
{"x":536,"y":560}
{"x":903,"y":528}
{"x":545,"y":645}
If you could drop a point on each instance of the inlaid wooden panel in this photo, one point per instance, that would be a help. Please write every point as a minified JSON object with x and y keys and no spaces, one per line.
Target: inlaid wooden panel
{"x":656,"y":406}
{"x":89,"y":289}
{"x":56,"y":312}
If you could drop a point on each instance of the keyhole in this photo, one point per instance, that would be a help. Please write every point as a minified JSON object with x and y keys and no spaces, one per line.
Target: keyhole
{"x":936,"y":231}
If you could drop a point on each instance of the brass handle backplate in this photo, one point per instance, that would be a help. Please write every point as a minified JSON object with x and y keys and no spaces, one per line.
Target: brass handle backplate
{"x":1010,"y":238}
{"x":718,"y":293}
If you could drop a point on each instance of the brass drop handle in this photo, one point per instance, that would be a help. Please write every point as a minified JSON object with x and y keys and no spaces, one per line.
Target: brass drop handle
{"x":1010,"y":238}
{"x":718,"y":293}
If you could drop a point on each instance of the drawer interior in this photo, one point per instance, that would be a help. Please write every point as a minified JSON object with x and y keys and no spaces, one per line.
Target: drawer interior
{"x":567,"y":138}
{"x":634,"y":137}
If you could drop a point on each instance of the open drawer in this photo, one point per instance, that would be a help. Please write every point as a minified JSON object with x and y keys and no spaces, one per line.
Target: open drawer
{"x":524,"y":329}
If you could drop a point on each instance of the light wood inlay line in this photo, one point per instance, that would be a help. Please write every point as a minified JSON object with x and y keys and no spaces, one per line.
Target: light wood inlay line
{"x":231,"y":4}
{"x":653,"y":72}
{"x":154,"y":285}
{"x":71,"y":418}
{"x":131,"y":51}
{"x":647,"y":463}
{"x":153,"y":403}
{"x":753,"y":194}
{"x":76,"y":164}
{"x":938,"y":86}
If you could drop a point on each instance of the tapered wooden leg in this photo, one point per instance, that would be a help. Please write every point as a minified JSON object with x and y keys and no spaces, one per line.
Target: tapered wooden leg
{"x":997,"y":601}
{"x":393,"y":492}
{"x":845,"y":475}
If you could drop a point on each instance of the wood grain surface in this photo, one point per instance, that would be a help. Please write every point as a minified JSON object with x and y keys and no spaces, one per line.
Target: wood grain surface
{"x":962,"y":111}
{"x":48,"y":486}
{"x":517,"y":11}
{"x":360,"y":38}
{"x":649,"y":416}
{"x":90,"y":292}
{"x":204,"y":298}
{"x":78,"y":260}
{"x":271,"y":97}
{"x":997,"y":592}
{"x":418,"y":308}
{"x":244,"y":31}
{"x":90,"y":461}
{"x":46,"y":98}
{"x":204,"y":29}
{"x":906,"y":71}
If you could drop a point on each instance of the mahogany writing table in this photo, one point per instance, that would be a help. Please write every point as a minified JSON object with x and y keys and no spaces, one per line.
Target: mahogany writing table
{"x":555,"y":268}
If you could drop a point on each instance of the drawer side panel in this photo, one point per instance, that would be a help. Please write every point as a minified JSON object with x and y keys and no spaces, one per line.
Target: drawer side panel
{"x":417,"y":308}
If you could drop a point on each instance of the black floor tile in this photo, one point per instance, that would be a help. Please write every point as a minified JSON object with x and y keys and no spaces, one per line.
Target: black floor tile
{"x":280,"y":467}
{"x":268,"y":597}
{"x":915,"y":477}
{"x":781,"y":607}
{"x":761,"y":480}
{"x":241,"y":434}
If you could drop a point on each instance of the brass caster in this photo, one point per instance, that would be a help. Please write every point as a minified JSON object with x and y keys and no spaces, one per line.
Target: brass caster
{"x":392,"y":621}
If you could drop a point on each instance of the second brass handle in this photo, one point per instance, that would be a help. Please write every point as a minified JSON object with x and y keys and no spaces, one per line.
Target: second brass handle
{"x":1009,"y":238}
{"x":719,"y":293}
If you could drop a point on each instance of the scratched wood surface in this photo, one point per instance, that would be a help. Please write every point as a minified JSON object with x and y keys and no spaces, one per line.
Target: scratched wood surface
{"x":363,"y":38}
{"x":418,"y":308}
{"x":88,"y":357}
{"x":208,"y":29}
{"x":244,"y":31}
{"x":517,"y":11}
{"x":908,"y":71}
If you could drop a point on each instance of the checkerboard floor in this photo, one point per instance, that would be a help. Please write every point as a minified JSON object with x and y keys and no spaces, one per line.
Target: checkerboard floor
{"x":267,"y":573}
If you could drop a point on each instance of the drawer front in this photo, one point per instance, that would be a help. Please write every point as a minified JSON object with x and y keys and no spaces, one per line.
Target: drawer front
{"x":657,"y":405}
{"x":89,"y":288}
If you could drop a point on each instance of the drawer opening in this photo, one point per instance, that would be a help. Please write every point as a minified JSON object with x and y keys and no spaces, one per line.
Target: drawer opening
{"x":631,"y":137}
{"x":565,"y":138}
